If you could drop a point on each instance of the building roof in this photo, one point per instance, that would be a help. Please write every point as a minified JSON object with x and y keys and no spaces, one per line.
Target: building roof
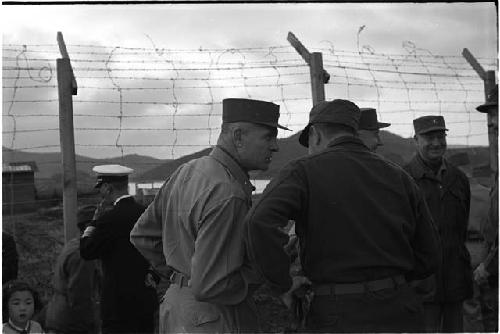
{"x":16,"y":169}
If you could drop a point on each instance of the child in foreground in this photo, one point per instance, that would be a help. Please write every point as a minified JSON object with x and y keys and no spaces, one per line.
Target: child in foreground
{"x":19,"y":304}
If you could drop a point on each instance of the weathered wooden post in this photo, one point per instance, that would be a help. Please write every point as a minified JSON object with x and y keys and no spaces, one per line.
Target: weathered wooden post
{"x":489,"y":82}
{"x":66,"y":88}
{"x":315,"y":61}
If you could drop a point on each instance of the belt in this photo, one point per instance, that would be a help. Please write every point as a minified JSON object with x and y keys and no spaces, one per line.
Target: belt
{"x":179,"y":279}
{"x":358,"y":288}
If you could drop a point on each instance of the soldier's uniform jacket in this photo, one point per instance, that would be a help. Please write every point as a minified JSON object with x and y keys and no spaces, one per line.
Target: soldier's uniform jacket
{"x":195,"y":225}
{"x":125,"y":299}
{"x":447,"y":194}
{"x":358,"y":218}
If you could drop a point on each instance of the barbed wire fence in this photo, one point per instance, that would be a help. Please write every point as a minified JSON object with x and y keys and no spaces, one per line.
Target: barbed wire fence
{"x":165,"y":103}
{"x":154,"y":104}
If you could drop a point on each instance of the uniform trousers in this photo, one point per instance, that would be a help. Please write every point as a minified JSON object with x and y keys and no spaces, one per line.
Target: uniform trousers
{"x":390,"y":310}
{"x":180,"y":312}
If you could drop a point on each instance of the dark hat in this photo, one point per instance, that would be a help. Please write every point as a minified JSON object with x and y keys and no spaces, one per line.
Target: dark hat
{"x":111,"y":174}
{"x":252,"y":111}
{"x":426,"y":124}
{"x":368,"y":120}
{"x":337,"y":112}
{"x":85,"y":215}
{"x":491,"y":100}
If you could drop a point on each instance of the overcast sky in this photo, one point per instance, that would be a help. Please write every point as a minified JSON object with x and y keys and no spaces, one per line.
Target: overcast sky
{"x":392,"y":28}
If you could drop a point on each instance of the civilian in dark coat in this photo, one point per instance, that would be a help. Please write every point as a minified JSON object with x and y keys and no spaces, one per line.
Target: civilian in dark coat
{"x":127,"y":304}
{"x":447,"y":193}
{"x":362,"y":224}
{"x":73,"y":306}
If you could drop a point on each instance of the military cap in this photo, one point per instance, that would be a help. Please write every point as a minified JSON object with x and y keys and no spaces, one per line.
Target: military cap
{"x":111,"y":173}
{"x":426,"y":124}
{"x":336,"y":112}
{"x":491,"y":100}
{"x":252,"y":111}
{"x":368,"y":120}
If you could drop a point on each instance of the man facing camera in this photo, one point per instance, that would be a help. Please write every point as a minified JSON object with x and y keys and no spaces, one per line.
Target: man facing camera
{"x":447,"y":193}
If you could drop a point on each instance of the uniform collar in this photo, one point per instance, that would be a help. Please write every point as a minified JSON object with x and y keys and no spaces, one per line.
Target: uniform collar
{"x":420,"y":169}
{"x":120,"y":198}
{"x":19,"y":329}
{"x":345,"y":140}
{"x":234,"y":167}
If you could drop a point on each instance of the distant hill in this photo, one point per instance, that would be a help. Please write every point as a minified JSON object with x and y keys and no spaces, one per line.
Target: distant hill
{"x":163,"y":171}
{"x":148,"y":169}
{"x":397,"y":149}
{"x":49,"y":174}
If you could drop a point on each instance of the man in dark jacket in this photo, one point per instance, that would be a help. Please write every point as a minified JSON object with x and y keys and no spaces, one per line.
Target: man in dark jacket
{"x":447,"y":194}
{"x":127,"y":304}
{"x":362,"y":224}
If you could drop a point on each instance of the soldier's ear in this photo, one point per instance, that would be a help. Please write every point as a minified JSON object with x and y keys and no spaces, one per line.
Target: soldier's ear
{"x":237,"y":137}
{"x":315,"y":136}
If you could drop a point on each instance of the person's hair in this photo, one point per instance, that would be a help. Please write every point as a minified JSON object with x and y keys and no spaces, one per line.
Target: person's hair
{"x":14,"y":286}
{"x":227,"y":128}
{"x":331,"y":129}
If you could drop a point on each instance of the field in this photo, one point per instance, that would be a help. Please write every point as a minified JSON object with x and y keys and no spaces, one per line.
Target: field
{"x":39,"y":238}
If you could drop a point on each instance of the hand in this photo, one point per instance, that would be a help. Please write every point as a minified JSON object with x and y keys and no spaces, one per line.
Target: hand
{"x":102,"y":207}
{"x":297,"y":282}
{"x":481,"y":274}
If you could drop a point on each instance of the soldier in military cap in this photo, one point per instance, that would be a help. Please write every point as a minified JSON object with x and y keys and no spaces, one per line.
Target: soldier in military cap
{"x":486,"y":273}
{"x":195,"y":225}
{"x":447,"y":194}
{"x":363,"y":228}
{"x":127,"y":304}
{"x":369,"y":128}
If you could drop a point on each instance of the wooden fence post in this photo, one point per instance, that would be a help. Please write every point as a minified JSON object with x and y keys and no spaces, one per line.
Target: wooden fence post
{"x":315,"y":61}
{"x":66,"y":88}
{"x":488,"y":78}
{"x":489,"y":84}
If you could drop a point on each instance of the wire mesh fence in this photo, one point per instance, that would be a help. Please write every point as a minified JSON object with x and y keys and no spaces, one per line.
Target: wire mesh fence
{"x":165,"y":103}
